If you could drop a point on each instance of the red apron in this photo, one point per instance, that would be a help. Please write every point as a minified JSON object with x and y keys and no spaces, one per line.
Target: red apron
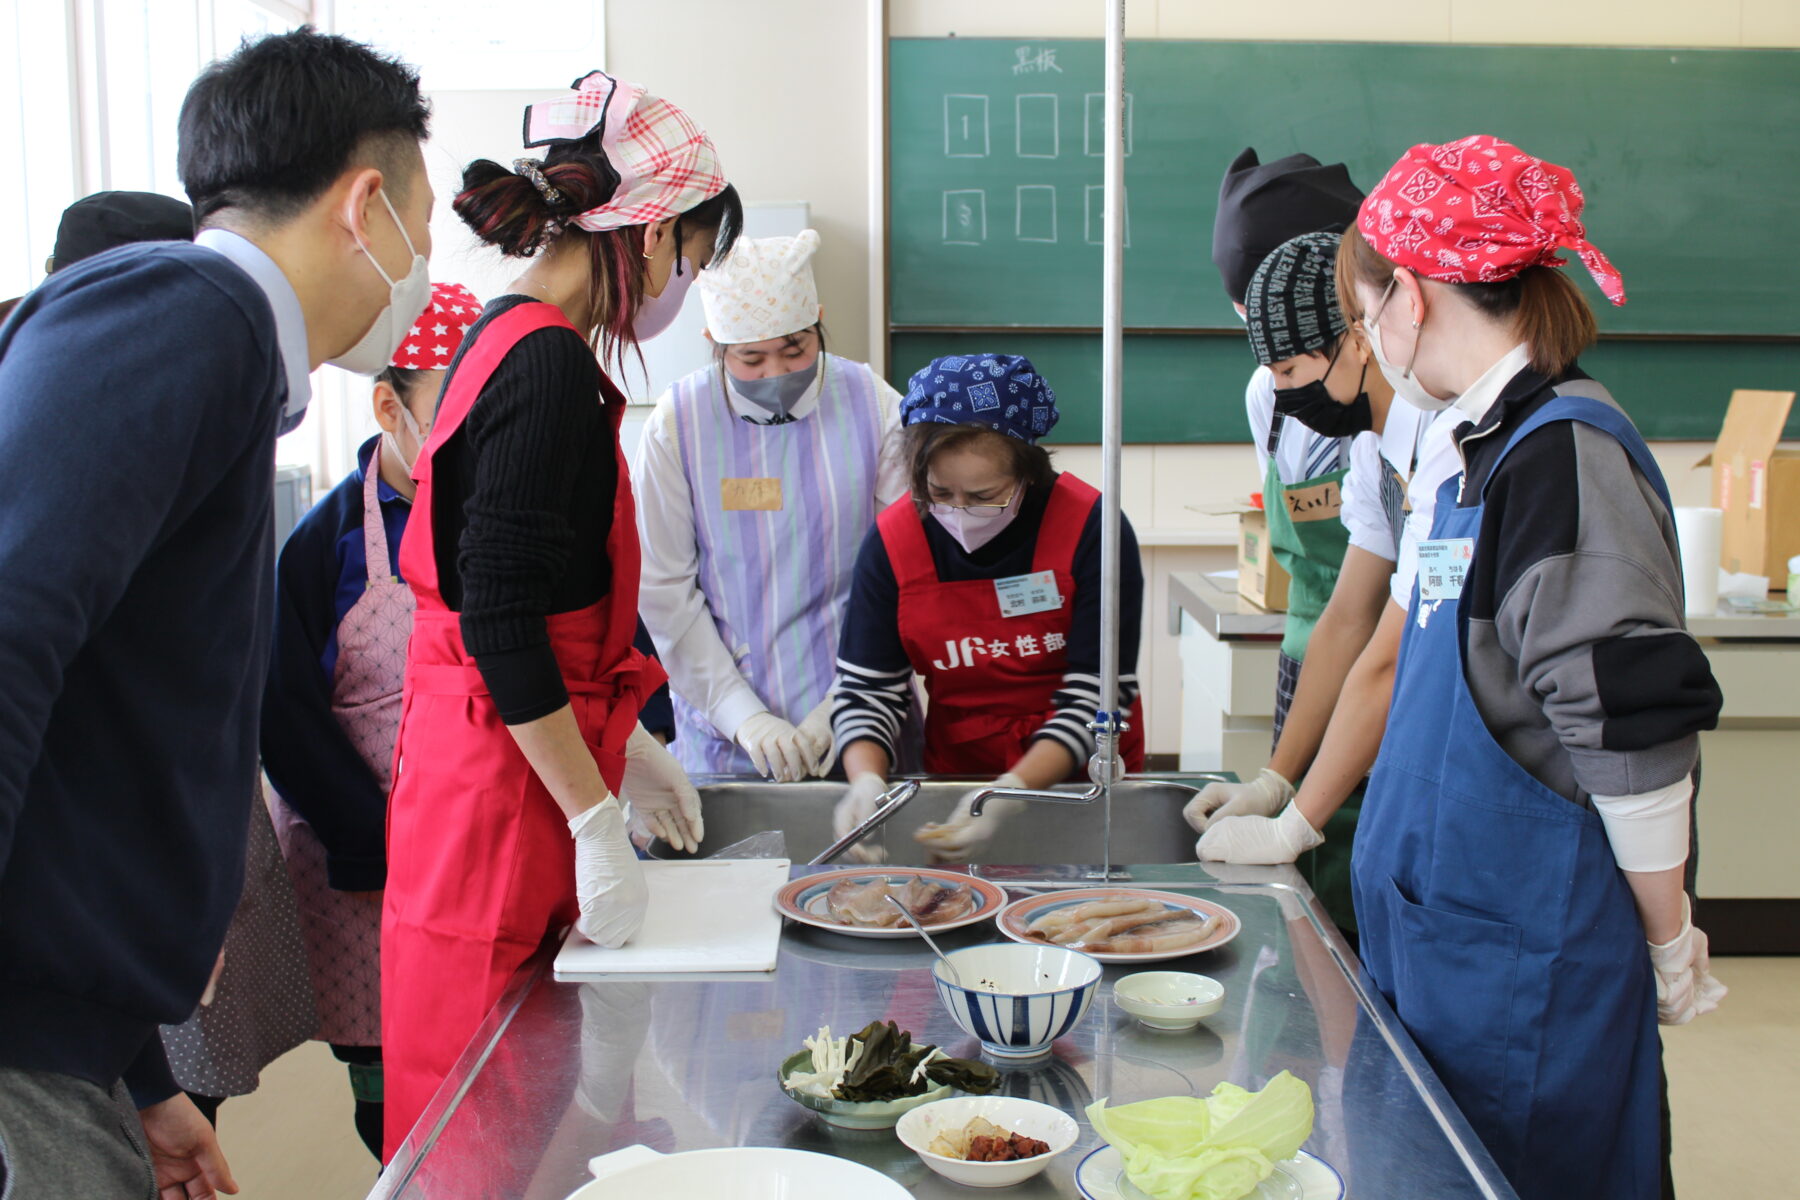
{"x":991,"y":678}
{"x":480,"y":861}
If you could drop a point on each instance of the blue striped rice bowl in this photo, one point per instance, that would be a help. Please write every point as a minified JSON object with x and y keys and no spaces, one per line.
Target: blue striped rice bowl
{"x":1019,"y":998}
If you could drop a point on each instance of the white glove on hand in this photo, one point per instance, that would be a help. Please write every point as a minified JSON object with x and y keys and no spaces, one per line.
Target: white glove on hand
{"x":816,"y":740}
{"x":774,"y":747}
{"x":1259,"y":841}
{"x":658,"y":791}
{"x":1685,"y":987}
{"x":857,"y":806}
{"x":961,"y":837}
{"x":609,"y":883}
{"x":1263,"y":796}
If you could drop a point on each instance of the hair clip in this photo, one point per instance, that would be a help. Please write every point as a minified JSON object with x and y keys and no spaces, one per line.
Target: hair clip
{"x":533,"y":170}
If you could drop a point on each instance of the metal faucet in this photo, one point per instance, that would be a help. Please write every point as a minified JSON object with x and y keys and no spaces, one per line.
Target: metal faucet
{"x":887,"y":804}
{"x":1105,"y":767}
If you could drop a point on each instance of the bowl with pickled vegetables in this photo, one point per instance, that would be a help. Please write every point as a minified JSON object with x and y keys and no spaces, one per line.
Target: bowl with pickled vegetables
{"x":872,"y":1078}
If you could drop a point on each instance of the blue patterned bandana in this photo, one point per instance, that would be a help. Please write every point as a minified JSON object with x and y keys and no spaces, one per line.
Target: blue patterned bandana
{"x":1002,"y":391}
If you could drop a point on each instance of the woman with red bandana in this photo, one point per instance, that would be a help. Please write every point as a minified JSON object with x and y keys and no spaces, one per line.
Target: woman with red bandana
{"x":1518,"y":865}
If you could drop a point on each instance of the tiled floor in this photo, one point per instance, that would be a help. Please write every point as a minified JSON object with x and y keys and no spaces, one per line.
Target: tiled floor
{"x":1735,"y":1077}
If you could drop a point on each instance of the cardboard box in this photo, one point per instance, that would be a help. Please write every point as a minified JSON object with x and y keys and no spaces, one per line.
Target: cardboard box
{"x":1261,"y":579}
{"x":1757,"y":486}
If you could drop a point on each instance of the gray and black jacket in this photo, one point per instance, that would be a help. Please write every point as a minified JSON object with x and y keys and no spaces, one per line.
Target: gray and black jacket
{"x":1578,"y":655}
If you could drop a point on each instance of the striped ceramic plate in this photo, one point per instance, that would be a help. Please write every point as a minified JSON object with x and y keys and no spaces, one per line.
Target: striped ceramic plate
{"x":1015,"y":922}
{"x":803,"y":900}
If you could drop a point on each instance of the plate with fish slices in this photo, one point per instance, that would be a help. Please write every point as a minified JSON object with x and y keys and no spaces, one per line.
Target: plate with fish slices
{"x":855,"y":901}
{"x":1121,"y":925}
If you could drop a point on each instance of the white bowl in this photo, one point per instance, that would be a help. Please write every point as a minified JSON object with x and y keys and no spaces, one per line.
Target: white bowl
{"x":753,"y":1172}
{"x":1170,"y":1000}
{"x":1040,"y":1121}
{"x":1019,"y":998}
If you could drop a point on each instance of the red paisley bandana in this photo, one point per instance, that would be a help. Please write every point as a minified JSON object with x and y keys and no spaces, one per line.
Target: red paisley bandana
{"x":1481,"y":210}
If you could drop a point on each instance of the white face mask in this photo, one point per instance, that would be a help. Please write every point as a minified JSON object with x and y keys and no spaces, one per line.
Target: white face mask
{"x":1405,"y":385}
{"x":657,"y":313}
{"x":973,"y":531}
{"x":418,"y":435}
{"x":407,"y":298}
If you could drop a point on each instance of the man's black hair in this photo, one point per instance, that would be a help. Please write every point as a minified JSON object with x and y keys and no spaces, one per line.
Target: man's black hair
{"x":268,"y":129}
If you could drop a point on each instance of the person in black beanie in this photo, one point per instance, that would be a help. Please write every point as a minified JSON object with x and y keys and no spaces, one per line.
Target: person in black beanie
{"x":106,"y":220}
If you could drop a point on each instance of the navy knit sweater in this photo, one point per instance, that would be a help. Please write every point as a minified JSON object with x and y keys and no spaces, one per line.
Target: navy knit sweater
{"x":139,"y":394}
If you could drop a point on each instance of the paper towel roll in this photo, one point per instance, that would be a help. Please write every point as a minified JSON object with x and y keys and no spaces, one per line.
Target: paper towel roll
{"x":1700,"y":531}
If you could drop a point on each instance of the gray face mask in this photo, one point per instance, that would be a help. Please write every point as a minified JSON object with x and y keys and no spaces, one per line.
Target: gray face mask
{"x":778,"y":394}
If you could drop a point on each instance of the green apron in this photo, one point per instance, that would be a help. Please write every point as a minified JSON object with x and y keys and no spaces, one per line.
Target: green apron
{"x":1309,"y":539}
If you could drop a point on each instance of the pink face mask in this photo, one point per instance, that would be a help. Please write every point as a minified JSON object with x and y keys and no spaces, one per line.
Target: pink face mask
{"x":975,"y":525}
{"x":657,"y":313}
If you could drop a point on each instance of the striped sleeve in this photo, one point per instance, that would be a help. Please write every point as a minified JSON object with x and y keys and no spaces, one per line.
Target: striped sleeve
{"x":874,"y":676}
{"x":1077,"y":700}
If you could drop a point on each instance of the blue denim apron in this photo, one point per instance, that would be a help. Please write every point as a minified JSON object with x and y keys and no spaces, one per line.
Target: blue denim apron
{"x":1495,"y":920}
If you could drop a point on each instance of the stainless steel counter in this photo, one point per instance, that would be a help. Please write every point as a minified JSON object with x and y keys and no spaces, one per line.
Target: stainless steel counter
{"x":564,"y":1071}
{"x":1213,"y":604}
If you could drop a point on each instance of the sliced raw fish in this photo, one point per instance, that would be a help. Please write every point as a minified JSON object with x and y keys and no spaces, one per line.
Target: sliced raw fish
{"x":865,"y":904}
{"x":934,"y":903}
{"x":862,"y":904}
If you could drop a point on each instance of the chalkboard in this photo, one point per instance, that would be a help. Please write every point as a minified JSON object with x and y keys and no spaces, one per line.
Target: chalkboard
{"x":994,"y":211}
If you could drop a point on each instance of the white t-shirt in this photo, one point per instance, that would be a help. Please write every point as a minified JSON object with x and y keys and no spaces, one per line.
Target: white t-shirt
{"x":1438,"y":460}
{"x":1375,"y":460}
{"x":1301,"y":454}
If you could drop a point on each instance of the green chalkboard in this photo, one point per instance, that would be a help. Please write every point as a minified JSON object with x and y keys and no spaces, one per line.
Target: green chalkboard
{"x":994,"y":218}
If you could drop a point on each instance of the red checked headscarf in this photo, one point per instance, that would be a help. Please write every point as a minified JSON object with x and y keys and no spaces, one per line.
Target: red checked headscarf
{"x":1480,"y":211}
{"x":665,"y":161}
{"x":434,"y":338}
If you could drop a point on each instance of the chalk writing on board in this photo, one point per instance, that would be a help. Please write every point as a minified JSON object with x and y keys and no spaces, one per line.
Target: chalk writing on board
{"x":1035,"y":214}
{"x":965,"y":126}
{"x":1037,"y":131}
{"x":1039,"y":61}
{"x":965,"y":217}
{"x":1094,"y":131}
{"x":1096,"y":214}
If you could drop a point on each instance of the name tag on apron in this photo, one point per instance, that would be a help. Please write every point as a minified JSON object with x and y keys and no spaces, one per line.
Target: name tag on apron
{"x":1320,"y":502}
{"x":1021,"y":595}
{"x":750,"y":495}
{"x":1443,"y":566}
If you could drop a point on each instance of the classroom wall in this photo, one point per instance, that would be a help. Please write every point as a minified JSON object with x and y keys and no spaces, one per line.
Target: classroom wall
{"x":784,"y":88}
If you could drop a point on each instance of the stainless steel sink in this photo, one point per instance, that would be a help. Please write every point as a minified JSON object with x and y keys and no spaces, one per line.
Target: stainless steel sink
{"x":1146,"y":828}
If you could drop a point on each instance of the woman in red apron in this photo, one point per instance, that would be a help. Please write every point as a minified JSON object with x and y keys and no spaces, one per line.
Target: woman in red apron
{"x":986,"y":582}
{"x":331,"y":710}
{"x":519,"y":727}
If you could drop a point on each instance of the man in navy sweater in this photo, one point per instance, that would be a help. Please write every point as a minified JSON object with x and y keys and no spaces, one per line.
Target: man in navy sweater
{"x":141,"y":392}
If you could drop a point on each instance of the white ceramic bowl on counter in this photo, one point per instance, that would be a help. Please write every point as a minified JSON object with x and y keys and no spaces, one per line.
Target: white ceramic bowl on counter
{"x":1049,"y":1125}
{"x":1016,"y":999}
{"x":1169,"y":1000}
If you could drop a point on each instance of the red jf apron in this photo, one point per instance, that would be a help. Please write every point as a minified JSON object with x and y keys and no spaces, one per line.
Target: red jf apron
{"x":991,"y":677}
{"x":343,"y":929}
{"x":480,"y":862}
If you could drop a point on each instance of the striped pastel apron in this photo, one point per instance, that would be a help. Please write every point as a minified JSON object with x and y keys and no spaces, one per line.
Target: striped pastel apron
{"x":776,"y":577}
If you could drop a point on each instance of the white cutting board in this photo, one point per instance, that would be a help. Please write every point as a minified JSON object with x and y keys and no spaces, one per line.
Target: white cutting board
{"x":706,"y":916}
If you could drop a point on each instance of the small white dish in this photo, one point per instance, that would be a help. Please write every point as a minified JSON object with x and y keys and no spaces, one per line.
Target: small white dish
{"x":1172,"y":1001}
{"x":1101,"y":1176}
{"x":1049,"y":1125}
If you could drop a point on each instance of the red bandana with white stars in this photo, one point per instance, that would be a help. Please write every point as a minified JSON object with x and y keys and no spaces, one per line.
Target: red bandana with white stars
{"x":1480,"y":211}
{"x":432,"y":341}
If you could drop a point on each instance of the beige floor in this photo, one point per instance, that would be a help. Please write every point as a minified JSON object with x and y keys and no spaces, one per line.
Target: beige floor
{"x":1735,"y":1077}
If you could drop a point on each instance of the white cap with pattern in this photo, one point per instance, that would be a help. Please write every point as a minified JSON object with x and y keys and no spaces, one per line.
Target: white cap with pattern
{"x":763,"y":290}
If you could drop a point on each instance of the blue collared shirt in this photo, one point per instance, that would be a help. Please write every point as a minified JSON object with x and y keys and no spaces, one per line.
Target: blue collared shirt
{"x":290,"y":319}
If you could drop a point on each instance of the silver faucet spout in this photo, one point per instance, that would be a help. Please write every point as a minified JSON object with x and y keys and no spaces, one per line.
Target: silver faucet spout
{"x":887,"y":804}
{"x":979,"y":800}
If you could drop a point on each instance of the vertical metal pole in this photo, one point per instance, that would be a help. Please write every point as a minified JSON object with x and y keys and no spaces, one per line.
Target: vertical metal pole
{"x":1112,"y":292}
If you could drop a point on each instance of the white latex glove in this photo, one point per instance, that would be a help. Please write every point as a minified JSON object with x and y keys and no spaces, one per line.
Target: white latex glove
{"x":609,"y":883}
{"x":774,"y":747}
{"x":1685,"y":987}
{"x":816,"y":740}
{"x":1263,"y":796}
{"x":858,"y":805}
{"x":1259,"y":841}
{"x":658,"y":791}
{"x":961,"y":837}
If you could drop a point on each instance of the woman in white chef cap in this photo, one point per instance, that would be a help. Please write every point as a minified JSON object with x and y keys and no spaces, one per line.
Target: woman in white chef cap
{"x":757,"y":479}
